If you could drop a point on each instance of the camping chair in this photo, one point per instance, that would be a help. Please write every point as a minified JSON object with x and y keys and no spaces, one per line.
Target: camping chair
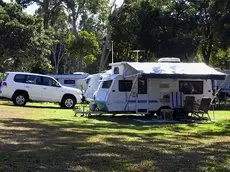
{"x":201,"y":109}
{"x":182,"y":113}
{"x":189,"y":104}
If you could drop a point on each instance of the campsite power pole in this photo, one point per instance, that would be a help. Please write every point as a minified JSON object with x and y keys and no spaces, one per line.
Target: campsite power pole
{"x":112,"y":50}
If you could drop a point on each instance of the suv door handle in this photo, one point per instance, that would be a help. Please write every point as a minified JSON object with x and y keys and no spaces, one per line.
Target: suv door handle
{"x":44,"y":88}
{"x":27,"y":86}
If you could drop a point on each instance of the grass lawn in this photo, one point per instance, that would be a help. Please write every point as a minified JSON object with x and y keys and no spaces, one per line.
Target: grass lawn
{"x":43,"y":137}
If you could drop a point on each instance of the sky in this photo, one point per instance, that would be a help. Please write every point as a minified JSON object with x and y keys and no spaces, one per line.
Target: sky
{"x":31,"y":9}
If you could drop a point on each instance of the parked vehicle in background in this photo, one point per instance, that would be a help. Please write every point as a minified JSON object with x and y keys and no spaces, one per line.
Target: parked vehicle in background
{"x":222,"y":87}
{"x":93,"y":82}
{"x":75,"y":80}
{"x":21,"y":87}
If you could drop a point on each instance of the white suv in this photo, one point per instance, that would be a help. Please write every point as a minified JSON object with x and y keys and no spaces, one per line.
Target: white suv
{"x":22,"y":87}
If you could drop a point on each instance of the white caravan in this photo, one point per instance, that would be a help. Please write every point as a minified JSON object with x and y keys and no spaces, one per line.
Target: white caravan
{"x":75,"y":80}
{"x":93,"y":82}
{"x":144,"y":87}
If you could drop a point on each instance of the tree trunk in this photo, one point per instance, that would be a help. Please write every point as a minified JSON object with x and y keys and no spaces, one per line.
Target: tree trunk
{"x":58,"y":54}
{"x":104,"y":56}
{"x":207,"y":50}
{"x":46,"y":14}
{"x":106,"y":49}
{"x":79,"y":63}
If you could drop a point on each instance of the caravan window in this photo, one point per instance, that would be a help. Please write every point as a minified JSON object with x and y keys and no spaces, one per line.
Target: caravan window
{"x":107,"y":84}
{"x":116,"y":70}
{"x":88,"y":80}
{"x":69,"y":81}
{"x":191,"y":87}
{"x":125,"y":85}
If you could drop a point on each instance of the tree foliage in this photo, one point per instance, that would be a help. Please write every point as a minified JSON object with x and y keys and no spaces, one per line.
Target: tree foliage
{"x":77,"y":35}
{"x":84,"y":49}
{"x":23,"y":43}
{"x":181,"y":28}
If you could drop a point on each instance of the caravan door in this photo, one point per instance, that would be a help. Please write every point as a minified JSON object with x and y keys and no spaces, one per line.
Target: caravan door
{"x":142,"y":101}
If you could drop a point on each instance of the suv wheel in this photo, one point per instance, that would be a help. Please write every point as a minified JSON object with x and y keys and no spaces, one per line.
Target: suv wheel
{"x":68,"y":102}
{"x":19,"y":99}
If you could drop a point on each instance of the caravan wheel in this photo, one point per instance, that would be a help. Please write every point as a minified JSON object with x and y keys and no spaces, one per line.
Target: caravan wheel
{"x":150,"y":115}
{"x":162,"y":107}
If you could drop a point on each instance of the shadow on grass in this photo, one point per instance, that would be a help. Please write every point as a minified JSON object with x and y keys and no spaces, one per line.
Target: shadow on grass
{"x":35,"y":105}
{"x":119,"y":145}
{"x":223,"y":131}
{"x":39,"y":107}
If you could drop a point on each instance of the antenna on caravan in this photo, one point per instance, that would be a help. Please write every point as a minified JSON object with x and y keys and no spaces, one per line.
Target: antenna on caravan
{"x":137,"y":51}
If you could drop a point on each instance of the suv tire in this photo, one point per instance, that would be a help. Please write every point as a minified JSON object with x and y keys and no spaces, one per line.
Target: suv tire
{"x":68,"y":102}
{"x":19,"y":99}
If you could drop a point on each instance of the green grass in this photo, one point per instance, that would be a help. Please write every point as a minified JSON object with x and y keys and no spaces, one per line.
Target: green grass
{"x":43,"y":137}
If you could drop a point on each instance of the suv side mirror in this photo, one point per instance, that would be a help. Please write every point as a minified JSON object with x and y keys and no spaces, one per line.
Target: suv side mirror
{"x":57,"y":85}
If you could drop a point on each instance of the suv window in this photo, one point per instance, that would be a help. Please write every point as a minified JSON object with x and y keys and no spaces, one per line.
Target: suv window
{"x":49,"y":82}
{"x":33,"y":79}
{"x":20,"y":78}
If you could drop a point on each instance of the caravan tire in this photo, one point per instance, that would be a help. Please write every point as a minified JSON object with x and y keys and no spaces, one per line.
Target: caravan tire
{"x":149,"y":115}
{"x":162,"y":107}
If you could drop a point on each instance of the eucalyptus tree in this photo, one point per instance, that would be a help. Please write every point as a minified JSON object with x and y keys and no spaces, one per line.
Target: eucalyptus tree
{"x":107,"y":42}
{"x":47,"y":7}
{"x":87,"y":14}
{"x":211,"y":27}
{"x":83,"y":15}
{"x":142,"y":25}
{"x":182,"y":28}
{"x":220,"y":14}
{"x":59,"y":23}
{"x":84,"y":49}
{"x":24,"y":45}
{"x":90,"y":16}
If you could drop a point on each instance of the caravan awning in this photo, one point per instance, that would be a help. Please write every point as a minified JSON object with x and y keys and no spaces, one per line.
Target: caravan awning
{"x":177,"y":70}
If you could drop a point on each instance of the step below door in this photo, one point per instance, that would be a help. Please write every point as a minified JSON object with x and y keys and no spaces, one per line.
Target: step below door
{"x":142,"y":103}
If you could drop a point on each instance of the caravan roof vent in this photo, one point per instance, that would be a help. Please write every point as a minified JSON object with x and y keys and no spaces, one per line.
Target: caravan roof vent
{"x":169,"y":60}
